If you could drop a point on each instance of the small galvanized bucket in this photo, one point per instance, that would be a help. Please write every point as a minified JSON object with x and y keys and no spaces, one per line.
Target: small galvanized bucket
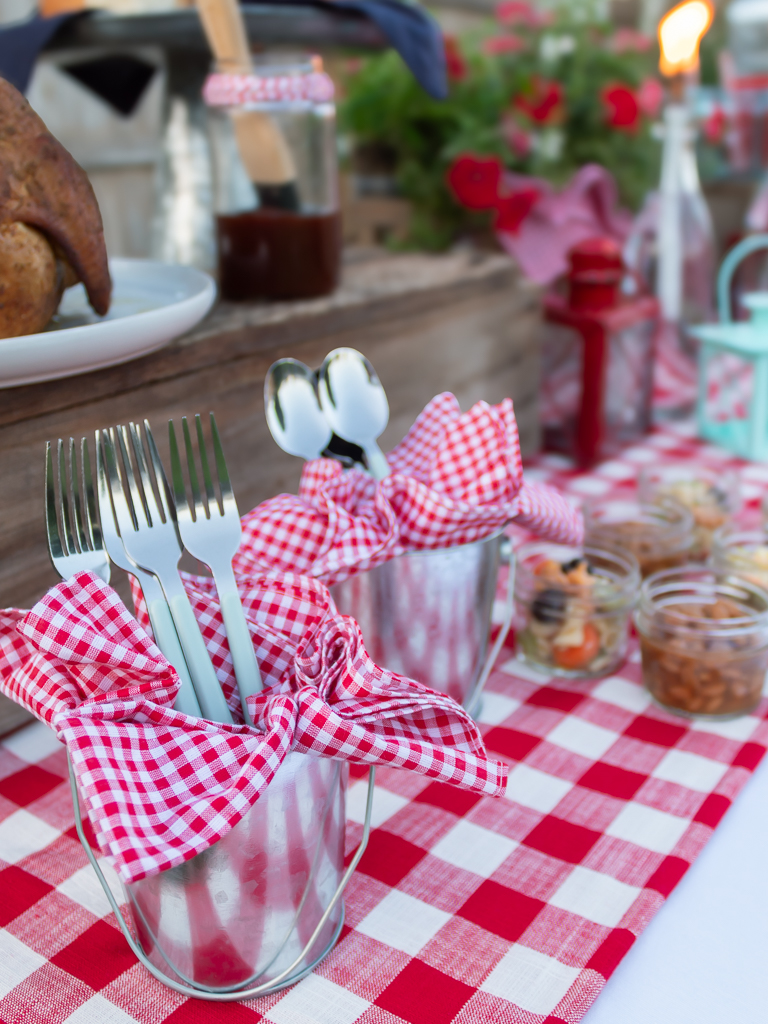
{"x":260,"y":908}
{"x":427,"y":614}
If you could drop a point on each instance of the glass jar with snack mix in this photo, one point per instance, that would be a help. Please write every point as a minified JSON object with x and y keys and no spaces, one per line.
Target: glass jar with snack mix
{"x":703,"y":640}
{"x":573,"y":608}
{"x":744,"y":552}
{"x":711,"y":496}
{"x":659,"y":535}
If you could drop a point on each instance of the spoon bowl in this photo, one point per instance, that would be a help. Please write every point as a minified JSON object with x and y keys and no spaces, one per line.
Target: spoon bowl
{"x":293,"y":413}
{"x":355,"y":404}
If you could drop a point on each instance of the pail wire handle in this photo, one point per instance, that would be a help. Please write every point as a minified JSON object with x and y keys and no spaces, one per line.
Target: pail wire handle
{"x":283,"y":979}
{"x":506,"y":557}
{"x":310,"y":881}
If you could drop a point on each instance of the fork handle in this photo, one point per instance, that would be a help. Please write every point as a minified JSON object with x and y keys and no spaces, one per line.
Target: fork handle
{"x":207,"y":687}
{"x":167,"y":640}
{"x":239,"y":636}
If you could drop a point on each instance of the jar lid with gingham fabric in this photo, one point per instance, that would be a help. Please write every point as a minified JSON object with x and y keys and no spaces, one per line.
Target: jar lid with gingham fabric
{"x":224,"y":89}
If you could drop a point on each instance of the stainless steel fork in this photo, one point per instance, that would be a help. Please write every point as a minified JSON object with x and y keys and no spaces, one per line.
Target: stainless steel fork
{"x":148,"y":533}
{"x":73,"y":544}
{"x":211,"y":531}
{"x":157,"y":607}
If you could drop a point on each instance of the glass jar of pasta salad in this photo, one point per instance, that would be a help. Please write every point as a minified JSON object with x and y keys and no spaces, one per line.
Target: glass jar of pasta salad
{"x":710,"y":495}
{"x":659,"y":535}
{"x":573,"y":608}
{"x":744,"y":552}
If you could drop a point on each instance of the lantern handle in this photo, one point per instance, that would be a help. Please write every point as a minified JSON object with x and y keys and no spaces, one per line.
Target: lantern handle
{"x":738,"y":253}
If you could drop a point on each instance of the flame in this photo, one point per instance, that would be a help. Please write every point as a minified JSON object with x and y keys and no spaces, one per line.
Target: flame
{"x":680,"y":32}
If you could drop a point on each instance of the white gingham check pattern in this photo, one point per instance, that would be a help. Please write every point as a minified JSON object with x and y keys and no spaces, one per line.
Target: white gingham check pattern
{"x":456,"y":478}
{"x":160,"y":786}
{"x":464,"y":909}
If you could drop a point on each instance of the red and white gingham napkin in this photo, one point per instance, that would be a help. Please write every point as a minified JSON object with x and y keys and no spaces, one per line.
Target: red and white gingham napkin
{"x":160,"y":786}
{"x":456,"y":478}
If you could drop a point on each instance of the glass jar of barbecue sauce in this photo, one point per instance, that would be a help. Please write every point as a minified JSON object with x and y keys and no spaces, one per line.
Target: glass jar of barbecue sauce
{"x":275,"y":180}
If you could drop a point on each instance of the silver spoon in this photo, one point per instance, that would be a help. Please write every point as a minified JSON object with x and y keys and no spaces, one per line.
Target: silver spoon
{"x":355,"y":404}
{"x":294,"y":416}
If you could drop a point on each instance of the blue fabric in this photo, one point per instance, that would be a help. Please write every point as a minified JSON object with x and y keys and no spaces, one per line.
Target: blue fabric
{"x":410,"y":30}
{"x":20,"y":45}
{"x":414,"y":34}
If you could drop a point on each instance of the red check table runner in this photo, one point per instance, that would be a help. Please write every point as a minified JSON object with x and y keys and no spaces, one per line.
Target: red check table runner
{"x":465,"y":909}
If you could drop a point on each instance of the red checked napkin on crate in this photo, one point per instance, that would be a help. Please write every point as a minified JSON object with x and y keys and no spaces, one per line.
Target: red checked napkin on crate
{"x":160,"y":786}
{"x":456,"y":478}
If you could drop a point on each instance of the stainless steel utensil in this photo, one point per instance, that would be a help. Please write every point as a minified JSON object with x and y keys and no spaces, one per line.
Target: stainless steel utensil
{"x":355,"y":404}
{"x":211,"y":532}
{"x":293,"y":412}
{"x":145,"y":524}
{"x":163,"y":628}
{"x":73,"y":544}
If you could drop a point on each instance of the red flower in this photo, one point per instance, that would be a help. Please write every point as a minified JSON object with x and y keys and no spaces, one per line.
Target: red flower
{"x":621,"y":107}
{"x":475,"y":180}
{"x":543,"y":103}
{"x":515,"y":12}
{"x":650,"y":96}
{"x":507,"y":43}
{"x":513,"y":209}
{"x":714,"y":126}
{"x":454,"y":61}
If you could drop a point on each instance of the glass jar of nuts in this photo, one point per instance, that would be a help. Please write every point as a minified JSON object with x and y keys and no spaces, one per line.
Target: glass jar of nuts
{"x":659,"y":535}
{"x":704,"y":641}
{"x":573,"y":608}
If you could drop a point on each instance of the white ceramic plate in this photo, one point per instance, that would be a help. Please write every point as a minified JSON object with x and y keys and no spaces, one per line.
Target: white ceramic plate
{"x":152,"y":303}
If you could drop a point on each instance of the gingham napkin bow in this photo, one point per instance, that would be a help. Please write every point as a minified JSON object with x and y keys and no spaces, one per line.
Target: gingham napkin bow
{"x":160,"y":786}
{"x":456,"y":478}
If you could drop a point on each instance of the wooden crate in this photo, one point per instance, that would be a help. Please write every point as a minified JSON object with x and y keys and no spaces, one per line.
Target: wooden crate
{"x":462,"y":322}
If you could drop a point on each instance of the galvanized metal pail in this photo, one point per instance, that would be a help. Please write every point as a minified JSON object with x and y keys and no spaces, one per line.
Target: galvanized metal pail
{"x":427,"y":614}
{"x":260,"y":908}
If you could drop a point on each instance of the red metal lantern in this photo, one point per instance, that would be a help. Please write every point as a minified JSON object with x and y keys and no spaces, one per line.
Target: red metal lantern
{"x":597,"y":360}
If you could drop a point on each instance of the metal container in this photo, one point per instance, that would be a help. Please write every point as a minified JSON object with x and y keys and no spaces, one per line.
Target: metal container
{"x":427,"y":615}
{"x":261,"y":907}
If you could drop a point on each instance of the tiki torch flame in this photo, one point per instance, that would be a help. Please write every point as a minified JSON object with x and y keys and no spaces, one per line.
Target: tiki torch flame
{"x":680,"y":32}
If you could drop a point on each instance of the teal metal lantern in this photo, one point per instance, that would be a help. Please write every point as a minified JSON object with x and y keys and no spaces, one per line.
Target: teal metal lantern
{"x":732,"y":407}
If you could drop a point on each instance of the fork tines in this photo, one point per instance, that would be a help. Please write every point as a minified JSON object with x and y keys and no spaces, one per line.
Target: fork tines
{"x":72,"y":526}
{"x":220,"y":504}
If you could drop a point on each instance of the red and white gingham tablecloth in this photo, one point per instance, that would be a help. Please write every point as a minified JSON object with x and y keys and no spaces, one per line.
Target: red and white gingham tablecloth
{"x":464,"y":909}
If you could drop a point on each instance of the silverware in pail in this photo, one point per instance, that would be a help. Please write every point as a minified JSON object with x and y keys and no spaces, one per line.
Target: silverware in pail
{"x":427,"y":614}
{"x":260,"y":908}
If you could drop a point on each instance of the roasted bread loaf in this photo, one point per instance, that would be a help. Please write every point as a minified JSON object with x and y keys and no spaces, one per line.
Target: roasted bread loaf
{"x":50,"y":227}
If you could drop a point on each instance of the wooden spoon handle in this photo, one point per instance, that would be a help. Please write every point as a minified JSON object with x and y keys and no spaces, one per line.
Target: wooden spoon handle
{"x":224,"y":28}
{"x":263,"y":149}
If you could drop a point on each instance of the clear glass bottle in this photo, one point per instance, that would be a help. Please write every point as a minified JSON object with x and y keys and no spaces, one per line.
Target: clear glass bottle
{"x":672,"y":247}
{"x":275,"y":181}
{"x":704,"y":641}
